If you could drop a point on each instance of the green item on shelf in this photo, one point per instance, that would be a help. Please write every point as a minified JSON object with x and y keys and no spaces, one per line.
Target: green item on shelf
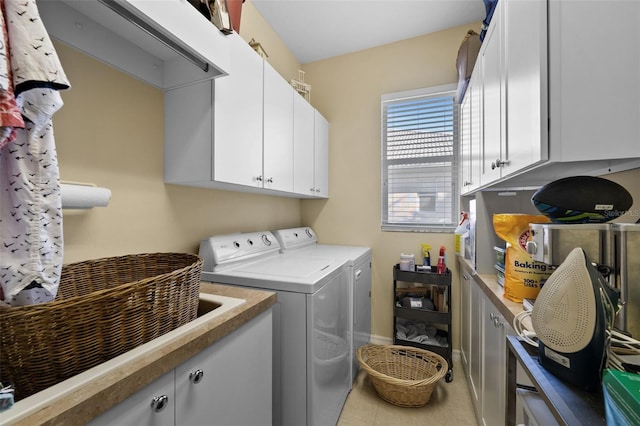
{"x":621,"y":391}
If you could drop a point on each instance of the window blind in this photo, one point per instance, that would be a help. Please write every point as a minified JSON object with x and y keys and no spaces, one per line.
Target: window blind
{"x":420,"y":160}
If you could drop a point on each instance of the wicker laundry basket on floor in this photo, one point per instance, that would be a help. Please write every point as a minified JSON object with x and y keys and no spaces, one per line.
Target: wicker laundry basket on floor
{"x":402,"y":375}
{"x":103,"y":308}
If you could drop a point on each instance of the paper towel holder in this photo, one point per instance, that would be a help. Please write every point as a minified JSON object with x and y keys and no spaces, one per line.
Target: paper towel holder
{"x":83,"y":195}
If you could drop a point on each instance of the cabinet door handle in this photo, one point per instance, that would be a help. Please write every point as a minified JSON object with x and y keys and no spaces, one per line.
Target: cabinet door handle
{"x":159,"y":403}
{"x":259,"y":178}
{"x":498,"y":163}
{"x":270,"y":180}
{"x":196,"y":376}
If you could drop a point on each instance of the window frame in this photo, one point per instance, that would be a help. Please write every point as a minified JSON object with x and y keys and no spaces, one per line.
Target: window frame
{"x":412,"y":95}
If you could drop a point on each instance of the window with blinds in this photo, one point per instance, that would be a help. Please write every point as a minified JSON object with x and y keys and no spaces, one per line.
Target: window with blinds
{"x":420,"y":160}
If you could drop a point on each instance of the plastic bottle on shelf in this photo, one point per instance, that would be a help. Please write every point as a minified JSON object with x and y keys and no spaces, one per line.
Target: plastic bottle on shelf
{"x":441,"y":268}
{"x":461,"y":231}
{"x":426,"y":256}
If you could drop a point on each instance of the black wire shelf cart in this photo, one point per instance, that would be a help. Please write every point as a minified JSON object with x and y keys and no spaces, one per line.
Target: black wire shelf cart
{"x":422,"y":312}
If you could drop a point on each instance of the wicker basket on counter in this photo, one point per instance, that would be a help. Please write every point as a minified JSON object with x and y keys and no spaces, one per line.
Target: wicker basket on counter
{"x":402,"y":375}
{"x":103,"y":308}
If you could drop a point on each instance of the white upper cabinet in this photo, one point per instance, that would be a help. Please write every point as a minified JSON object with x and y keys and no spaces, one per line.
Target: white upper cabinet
{"x":165,"y":43}
{"x":321,"y":156}
{"x":311,"y":151}
{"x":465,"y":142}
{"x":493,"y":90}
{"x":471,"y":135}
{"x":303,"y":135}
{"x":237,"y":121}
{"x":560,"y":93}
{"x":594,"y":64}
{"x":248,"y":131}
{"x":525,"y":76}
{"x":278,"y":131}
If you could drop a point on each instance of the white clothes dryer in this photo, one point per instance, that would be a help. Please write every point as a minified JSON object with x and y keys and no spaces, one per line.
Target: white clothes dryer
{"x":312,"y":349}
{"x":303,"y":241}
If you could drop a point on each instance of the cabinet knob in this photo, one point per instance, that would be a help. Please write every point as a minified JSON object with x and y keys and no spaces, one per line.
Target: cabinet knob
{"x":492,"y":316}
{"x":196,"y":376}
{"x":159,"y":403}
{"x":496,"y":322}
{"x":270,"y":180}
{"x":466,"y":183}
{"x":259,"y":178}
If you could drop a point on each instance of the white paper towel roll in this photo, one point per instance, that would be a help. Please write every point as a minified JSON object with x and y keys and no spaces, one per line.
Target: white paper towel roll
{"x":84,"y":196}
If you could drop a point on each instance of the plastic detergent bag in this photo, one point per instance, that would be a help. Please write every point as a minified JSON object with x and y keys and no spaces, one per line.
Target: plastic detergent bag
{"x":523,"y":277}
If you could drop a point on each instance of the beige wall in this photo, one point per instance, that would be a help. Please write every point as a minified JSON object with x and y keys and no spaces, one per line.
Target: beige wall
{"x":253,"y":26}
{"x":347,"y":90}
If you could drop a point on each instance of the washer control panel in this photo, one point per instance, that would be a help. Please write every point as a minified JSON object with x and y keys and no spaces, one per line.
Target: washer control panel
{"x":224,"y":251}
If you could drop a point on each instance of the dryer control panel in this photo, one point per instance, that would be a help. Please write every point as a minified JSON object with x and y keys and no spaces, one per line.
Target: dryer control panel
{"x":295,"y":237}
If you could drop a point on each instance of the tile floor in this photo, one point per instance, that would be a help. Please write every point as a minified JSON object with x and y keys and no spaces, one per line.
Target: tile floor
{"x":450,"y":404}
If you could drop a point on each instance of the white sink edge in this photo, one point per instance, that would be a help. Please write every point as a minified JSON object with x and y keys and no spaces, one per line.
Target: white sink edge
{"x":46,"y":397}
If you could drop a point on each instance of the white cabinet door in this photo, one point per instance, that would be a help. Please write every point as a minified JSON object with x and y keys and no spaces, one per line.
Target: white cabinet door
{"x":595,"y":88}
{"x":465,"y":143}
{"x":471,"y":134}
{"x":475,"y":88}
{"x":278,"y":131}
{"x":465,"y":317}
{"x":494,"y":365}
{"x":525,"y":55}
{"x":303,"y":135}
{"x":491,"y":56}
{"x":237,"y":121}
{"x":475,"y":345}
{"x":230,"y":383}
{"x":321,"y":155}
{"x":138,"y":410}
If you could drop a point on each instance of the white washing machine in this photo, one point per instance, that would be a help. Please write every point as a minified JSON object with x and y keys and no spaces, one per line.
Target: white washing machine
{"x":312,"y":349}
{"x":304,"y":242}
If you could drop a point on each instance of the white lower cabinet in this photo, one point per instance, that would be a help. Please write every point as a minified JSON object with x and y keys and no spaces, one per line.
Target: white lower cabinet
{"x":483,"y":349}
{"x":227,"y":384}
{"x":475,"y":349}
{"x":494,"y":364}
{"x":138,"y":409}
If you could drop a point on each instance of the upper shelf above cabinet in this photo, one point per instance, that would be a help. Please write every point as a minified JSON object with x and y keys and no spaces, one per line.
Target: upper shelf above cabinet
{"x":166,"y":43}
